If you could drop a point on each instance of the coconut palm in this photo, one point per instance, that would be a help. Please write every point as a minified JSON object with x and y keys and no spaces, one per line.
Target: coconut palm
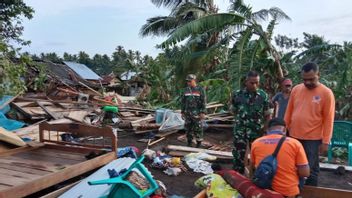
{"x":183,"y":12}
{"x":240,"y":24}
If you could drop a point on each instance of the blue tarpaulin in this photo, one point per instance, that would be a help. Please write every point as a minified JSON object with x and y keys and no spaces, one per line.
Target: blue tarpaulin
{"x":9,"y":124}
{"x":2,"y":101}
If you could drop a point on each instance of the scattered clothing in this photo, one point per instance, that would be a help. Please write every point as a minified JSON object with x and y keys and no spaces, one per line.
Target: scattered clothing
{"x":216,"y":187}
{"x":199,"y":166}
{"x":129,"y":151}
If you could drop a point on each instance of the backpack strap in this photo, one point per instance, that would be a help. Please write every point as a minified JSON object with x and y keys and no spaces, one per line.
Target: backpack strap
{"x":279,"y":145}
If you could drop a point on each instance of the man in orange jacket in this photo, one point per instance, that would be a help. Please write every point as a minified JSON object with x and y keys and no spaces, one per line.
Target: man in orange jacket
{"x":310,"y":117}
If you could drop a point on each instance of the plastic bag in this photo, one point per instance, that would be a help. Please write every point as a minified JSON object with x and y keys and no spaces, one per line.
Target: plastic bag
{"x":174,"y":121}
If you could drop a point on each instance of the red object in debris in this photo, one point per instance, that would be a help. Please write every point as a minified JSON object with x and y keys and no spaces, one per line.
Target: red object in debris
{"x":156,"y":196}
{"x":245,"y":186}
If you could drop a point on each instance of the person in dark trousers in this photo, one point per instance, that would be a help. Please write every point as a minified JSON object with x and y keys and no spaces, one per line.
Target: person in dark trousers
{"x":251,"y":108}
{"x":310,"y":117}
{"x":193,"y":110}
{"x":280,"y":100}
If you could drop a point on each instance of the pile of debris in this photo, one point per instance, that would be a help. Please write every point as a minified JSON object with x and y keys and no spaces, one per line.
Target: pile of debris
{"x":74,"y":98}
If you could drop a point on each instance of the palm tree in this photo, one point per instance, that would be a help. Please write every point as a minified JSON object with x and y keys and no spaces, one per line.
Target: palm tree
{"x":239,"y":24}
{"x":183,"y":12}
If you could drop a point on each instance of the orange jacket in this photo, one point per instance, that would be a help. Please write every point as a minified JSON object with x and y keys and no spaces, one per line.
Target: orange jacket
{"x":310,"y":113}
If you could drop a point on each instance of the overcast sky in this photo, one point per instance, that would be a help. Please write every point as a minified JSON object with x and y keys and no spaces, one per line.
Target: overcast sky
{"x":98,"y":26}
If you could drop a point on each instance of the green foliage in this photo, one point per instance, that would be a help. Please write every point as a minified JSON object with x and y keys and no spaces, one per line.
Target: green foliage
{"x":340,"y":153}
{"x":12,"y":13}
{"x":217,"y":90}
{"x":12,"y":72}
{"x":39,"y":80}
{"x":214,"y":22}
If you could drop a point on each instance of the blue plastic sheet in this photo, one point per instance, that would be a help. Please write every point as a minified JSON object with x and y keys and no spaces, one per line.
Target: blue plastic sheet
{"x":2,"y":101}
{"x":9,"y":124}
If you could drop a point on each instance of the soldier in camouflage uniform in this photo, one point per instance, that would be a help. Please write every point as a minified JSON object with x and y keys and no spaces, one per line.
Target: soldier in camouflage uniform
{"x":251,"y":109}
{"x":193,"y":110}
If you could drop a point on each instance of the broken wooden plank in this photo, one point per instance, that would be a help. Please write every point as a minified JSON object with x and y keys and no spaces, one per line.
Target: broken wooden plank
{"x":214,"y":106}
{"x":156,"y":141}
{"x":184,"y":153}
{"x":196,"y":150}
{"x":52,"y":114}
{"x":77,"y":115}
{"x":11,"y":137}
{"x":86,"y":86}
{"x":137,"y":123}
{"x":145,"y":131}
{"x":60,"y":191}
{"x":22,"y":111}
{"x":164,"y":134}
{"x":321,"y":192}
{"x":334,"y":166}
{"x":127,"y":114}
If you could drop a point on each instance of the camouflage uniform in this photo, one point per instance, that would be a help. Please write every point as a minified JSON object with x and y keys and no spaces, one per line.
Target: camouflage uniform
{"x":192,"y":104}
{"x":250,"y":109}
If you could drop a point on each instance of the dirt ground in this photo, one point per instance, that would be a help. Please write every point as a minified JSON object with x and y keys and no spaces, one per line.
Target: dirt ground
{"x":183,"y":184}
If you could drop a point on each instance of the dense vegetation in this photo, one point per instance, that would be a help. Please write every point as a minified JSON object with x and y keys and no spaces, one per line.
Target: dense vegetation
{"x":219,"y":47}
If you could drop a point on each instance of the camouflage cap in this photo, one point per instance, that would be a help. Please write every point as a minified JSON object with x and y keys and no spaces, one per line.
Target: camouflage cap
{"x":191,"y":77}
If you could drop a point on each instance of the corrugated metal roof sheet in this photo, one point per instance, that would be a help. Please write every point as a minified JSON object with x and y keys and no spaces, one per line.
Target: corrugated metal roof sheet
{"x":83,"y":70}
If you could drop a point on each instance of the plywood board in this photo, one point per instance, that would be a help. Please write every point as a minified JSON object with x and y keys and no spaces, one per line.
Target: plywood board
{"x":11,"y":137}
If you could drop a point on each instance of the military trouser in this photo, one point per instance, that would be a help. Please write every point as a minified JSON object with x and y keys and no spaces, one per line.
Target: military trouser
{"x":193,"y":127}
{"x":242,"y":136}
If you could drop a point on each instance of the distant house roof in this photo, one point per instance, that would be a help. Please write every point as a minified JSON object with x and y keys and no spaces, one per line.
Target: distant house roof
{"x":83,"y":71}
{"x":128,"y":75}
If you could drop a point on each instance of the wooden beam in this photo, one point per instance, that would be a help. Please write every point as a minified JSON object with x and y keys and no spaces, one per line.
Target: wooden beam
{"x":146,"y":131}
{"x":196,"y":150}
{"x":52,"y":114}
{"x":164,"y":134}
{"x":156,"y":141}
{"x":60,"y":191}
{"x":137,"y":123}
{"x":333,"y":166}
{"x":320,"y":192}
{"x":99,"y":94}
{"x":27,"y":115}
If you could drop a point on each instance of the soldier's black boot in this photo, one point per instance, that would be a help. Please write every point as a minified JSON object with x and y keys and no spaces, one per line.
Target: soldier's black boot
{"x":199,"y":143}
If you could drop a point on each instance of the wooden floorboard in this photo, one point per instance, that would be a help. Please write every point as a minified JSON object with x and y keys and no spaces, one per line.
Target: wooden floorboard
{"x":60,"y":154}
{"x":24,"y":169}
{"x":11,"y":173}
{"x":38,"y":165}
{"x":56,"y":160}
